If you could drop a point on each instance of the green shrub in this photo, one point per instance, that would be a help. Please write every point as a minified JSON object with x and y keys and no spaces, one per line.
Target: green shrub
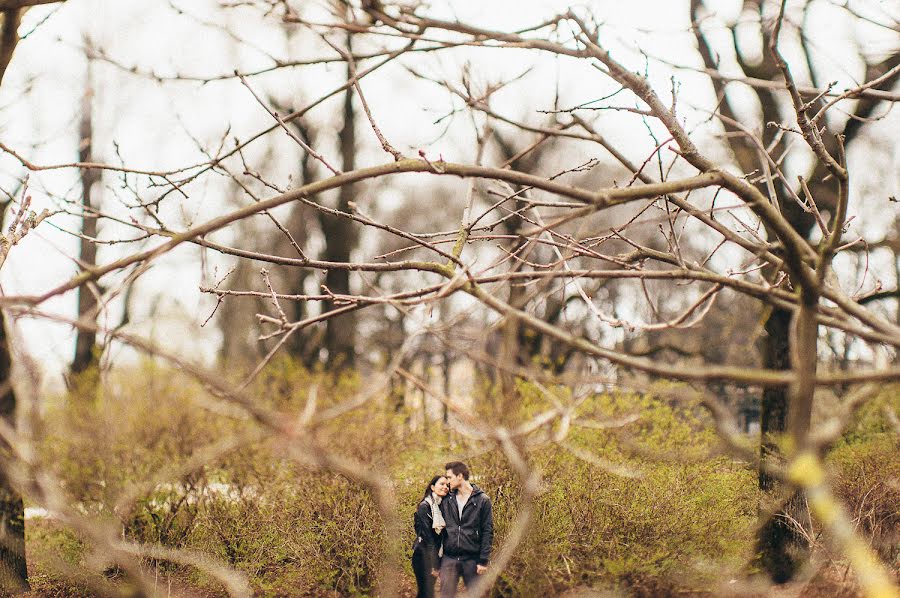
{"x":686,"y":521}
{"x":864,"y":478}
{"x":864,"y":471}
{"x":595,"y":528}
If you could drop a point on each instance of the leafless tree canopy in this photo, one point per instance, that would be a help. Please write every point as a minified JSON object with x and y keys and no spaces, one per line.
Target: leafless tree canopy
{"x":589,"y":208}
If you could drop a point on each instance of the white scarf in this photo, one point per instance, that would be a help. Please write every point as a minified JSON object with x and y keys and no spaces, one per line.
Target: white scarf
{"x":437,"y":520}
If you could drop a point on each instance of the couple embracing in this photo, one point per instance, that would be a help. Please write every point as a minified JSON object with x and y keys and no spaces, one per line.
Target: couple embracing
{"x":454,"y":530}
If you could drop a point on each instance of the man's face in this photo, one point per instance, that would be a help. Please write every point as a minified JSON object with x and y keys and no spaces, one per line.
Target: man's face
{"x":454,"y":480}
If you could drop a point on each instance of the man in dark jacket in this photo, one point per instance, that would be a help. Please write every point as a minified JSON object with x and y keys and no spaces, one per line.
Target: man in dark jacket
{"x":469,"y":532}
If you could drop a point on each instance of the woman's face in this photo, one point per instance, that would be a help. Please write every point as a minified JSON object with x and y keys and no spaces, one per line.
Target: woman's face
{"x":441,"y":487}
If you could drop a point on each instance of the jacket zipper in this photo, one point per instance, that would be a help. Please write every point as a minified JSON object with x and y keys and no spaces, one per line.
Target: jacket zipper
{"x":458,"y":527}
{"x":459,"y":522}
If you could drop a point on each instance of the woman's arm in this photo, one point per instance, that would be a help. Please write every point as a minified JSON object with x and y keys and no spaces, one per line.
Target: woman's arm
{"x":431,"y":542}
{"x":423,"y":521}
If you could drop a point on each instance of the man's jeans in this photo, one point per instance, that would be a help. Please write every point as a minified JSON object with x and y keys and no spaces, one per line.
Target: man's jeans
{"x":452,"y":569}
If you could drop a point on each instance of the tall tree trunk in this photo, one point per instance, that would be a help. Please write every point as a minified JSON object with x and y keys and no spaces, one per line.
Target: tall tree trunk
{"x":781,"y":551}
{"x":302,"y":345}
{"x":9,"y":36}
{"x":13,"y":567}
{"x":520,"y":345}
{"x":85,"y":342}
{"x":513,"y":334}
{"x":446,"y":370}
{"x":239,"y":348}
{"x":340,"y":240}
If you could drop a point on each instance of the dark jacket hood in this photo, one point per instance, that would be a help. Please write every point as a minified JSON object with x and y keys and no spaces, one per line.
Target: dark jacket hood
{"x":475,"y":491}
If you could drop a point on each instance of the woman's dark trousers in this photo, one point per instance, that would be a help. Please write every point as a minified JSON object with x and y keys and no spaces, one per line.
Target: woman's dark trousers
{"x":424,"y":579}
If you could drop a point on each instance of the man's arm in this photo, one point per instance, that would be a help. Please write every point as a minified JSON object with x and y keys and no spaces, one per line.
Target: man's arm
{"x":487,"y":532}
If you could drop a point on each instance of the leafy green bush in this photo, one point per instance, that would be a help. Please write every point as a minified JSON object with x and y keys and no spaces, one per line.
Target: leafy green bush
{"x":863,"y":481}
{"x":312,"y":533}
{"x":865,"y":469}
{"x":685,"y":522}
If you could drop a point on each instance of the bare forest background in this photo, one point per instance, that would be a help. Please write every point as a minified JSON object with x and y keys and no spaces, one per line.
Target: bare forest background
{"x":267,"y":265}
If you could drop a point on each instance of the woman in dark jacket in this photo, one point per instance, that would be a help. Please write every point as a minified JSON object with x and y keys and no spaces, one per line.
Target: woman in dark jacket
{"x":429,"y":523}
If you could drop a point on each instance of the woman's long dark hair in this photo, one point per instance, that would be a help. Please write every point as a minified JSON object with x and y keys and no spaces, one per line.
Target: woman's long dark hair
{"x":430,"y":484}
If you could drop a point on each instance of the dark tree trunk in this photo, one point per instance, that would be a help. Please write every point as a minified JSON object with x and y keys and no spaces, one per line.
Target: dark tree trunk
{"x":302,"y":345}
{"x":519,"y":344}
{"x":239,"y":346}
{"x":85,"y":342}
{"x":513,"y":335}
{"x":340,"y":240}
{"x":446,"y":365}
{"x":9,"y":36}
{"x":774,"y":408}
{"x":13,"y":567}
{"x":781,"y":549}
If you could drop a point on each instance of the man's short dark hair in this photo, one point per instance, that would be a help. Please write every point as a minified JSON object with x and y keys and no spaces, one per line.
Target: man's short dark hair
{"x":458,"y":467}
